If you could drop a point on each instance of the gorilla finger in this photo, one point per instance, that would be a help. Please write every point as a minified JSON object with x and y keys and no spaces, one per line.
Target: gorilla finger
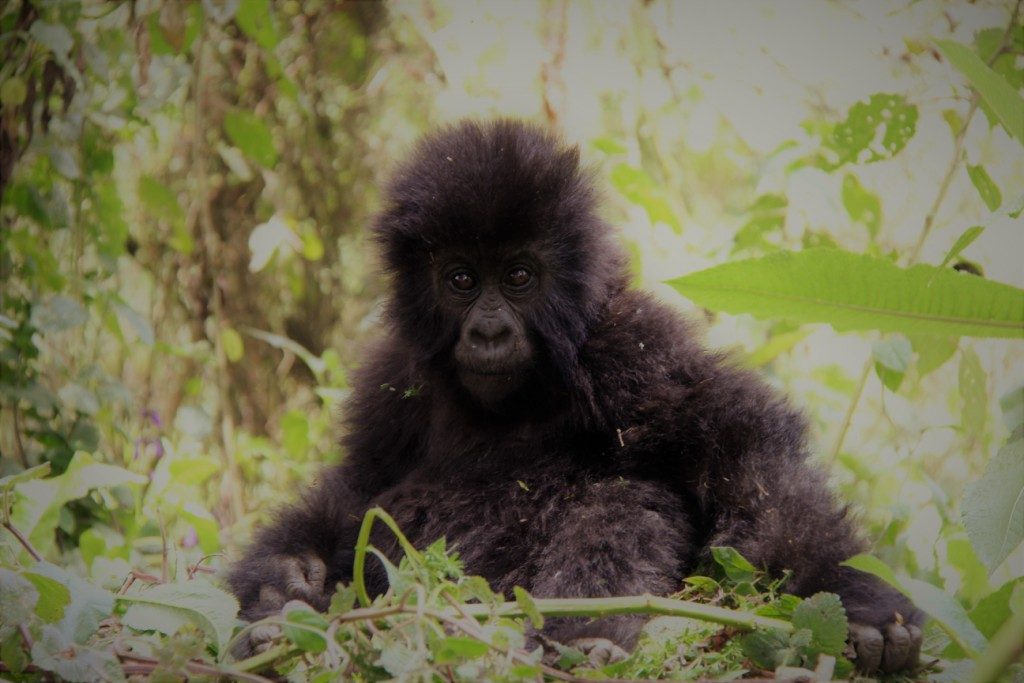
{"x":316,"y":571}
{"x":271,"y":599}
{"x":600,"y":651}
{"x":261,"y":637}
{"x":868,"y":644}
{"x":897,"y":647}
{"x":914,"y":654}
{"x":296,"y":582}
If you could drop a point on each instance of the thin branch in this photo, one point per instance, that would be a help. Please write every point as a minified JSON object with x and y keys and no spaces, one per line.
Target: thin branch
{"x":232,"y":486}
{"x":23,"y":541}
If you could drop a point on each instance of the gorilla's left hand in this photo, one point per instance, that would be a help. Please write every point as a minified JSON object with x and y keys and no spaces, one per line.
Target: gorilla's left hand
{"x":896,"y":646}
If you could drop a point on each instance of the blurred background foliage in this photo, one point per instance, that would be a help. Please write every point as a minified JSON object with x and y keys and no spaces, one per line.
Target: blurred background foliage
{"x":187,"y":278}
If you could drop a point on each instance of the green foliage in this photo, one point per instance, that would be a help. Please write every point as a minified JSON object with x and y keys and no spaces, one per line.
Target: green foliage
{"x":1003,"y":99}
{"x":993,"y":514}
{"x":856,"y":139}
{"x":857,"y":291}
{"x":185,"y":281}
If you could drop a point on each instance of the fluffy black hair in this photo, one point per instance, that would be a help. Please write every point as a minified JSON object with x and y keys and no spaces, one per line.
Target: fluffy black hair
{"x":626,"y":455}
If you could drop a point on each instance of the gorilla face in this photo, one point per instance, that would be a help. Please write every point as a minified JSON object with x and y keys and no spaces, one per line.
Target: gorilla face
{"x":491,"y":296}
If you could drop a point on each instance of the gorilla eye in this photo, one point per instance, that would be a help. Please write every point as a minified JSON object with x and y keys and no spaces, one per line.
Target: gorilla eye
{"x":462,"y":281}
{"x":518,"y":277}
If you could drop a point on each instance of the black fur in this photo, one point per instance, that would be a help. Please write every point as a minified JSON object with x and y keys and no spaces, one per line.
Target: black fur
{"x":625,"y":453}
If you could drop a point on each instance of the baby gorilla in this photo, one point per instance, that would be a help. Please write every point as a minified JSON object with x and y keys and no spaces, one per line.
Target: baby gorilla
{"x":566,"y":433}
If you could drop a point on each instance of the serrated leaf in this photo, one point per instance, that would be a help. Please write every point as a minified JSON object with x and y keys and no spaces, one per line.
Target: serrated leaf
{"x":824,"y":615}
{"x":529,"y":607}
{"x":854,"y":140}
{"x":88,"y":606}
{"x":993,"y":506}
{"x":859,"y":292}
{"x":308,"y":630}
{"x":74,"y":662}
{"x":457,"y":649}
{"x":18,"y":598}
{"x":993,"y":88}
{"x":861,"y":204}
{"x":763,"y":647}
{"x":985,"y":186}
{"x":250,"y":134}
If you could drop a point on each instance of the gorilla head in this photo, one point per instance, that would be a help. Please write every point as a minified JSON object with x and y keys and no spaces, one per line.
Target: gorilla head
{"x":500,"y":264}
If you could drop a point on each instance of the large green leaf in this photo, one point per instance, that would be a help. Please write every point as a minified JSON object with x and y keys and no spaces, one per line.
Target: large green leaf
{"x":859,"y":292}
{"x":993,"y":506}
{"x":993,"y":88}
{"x":167,"y":607}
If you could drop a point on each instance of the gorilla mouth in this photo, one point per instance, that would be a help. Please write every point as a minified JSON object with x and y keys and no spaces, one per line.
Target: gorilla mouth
{"x":489,"y":373}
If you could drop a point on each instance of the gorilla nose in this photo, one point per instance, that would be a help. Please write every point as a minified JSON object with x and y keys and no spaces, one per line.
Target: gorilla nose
{"x":490,"y":333}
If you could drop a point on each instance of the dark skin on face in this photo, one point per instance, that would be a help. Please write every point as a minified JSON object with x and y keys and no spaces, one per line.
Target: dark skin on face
{"x":494,"y":351}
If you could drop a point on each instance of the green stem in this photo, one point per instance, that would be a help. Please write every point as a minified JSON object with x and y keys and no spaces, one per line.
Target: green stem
{"x":363,"y":543}
{"x":632,"y":604}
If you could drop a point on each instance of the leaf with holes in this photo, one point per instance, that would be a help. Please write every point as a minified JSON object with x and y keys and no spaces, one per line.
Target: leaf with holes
{"x":874,"y":130}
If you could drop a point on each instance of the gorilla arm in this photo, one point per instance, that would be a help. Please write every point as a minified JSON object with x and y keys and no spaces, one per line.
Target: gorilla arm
{"x":765,"y":500}
{"x":310,"y":547}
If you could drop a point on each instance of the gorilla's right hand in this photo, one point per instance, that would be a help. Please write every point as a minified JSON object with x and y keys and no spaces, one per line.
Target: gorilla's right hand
{"x":291,"y":578}
{"x":282,"y":578}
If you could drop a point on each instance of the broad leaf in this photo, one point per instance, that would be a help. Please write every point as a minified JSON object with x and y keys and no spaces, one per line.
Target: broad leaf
{"x":38,"y":502}
{"x":859,"y":292}
{"x":993,"y":88}
{"x":166,"y":607}
{"x":993,"y":506}
{"x":251,"y":135}
{"x":823,"y":614}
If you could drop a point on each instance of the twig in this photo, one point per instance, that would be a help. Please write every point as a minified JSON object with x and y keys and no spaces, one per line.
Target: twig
{"x":18,"y":445}
{"x":233,"y":478}
{"x":25,"y":543}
